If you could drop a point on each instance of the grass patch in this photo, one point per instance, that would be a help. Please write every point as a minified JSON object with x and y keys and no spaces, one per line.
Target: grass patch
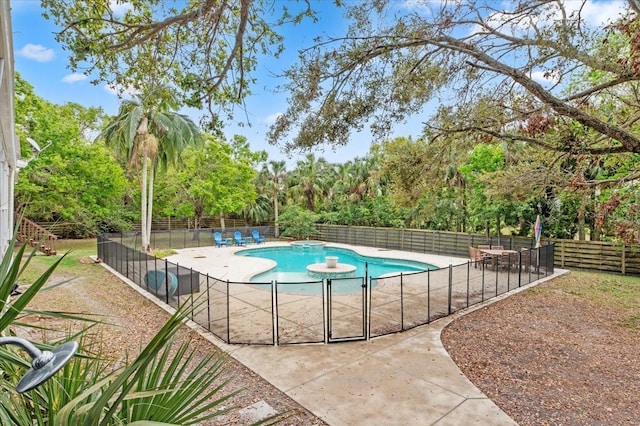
{"x":616,"y":290}
{"x":618,"y":293}
{"x":161,"y":254}
{"x":76,"y":251}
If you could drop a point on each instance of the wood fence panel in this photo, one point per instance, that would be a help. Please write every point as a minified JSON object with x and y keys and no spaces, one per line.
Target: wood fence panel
{"x":592,"y":255}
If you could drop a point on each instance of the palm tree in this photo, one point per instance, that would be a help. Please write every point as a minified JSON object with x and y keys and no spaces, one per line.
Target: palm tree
{"x":311,"y":179}
{"x":148,"y":132}
{"x":276,"y":179}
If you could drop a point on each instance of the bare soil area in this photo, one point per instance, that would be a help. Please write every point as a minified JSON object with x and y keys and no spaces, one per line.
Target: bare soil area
{"x":131,"y":322}
{"x":557,"y":354}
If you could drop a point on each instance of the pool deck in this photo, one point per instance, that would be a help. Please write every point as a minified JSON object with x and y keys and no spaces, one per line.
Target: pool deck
{"x":399,"y":379}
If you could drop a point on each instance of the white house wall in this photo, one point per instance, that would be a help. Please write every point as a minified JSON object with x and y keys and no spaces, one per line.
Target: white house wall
{"x":9,"y":147}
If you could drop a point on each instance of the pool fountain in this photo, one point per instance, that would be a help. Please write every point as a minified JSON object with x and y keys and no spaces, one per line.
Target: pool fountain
{"x":331,"y":269}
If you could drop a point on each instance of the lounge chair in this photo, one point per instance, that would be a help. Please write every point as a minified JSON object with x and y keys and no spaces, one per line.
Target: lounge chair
{"x":237,"y":236}
{"x":257,"y":237}
{"x":217,"y":237}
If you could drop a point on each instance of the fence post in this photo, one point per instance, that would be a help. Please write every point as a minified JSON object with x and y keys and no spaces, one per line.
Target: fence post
{"x":166,"y":282}
{"x":208,"y":305}
{"x":228,"y":314}
{"x":401,"y":303}
{"x":450,"y":286}
{"x":428,"y":295}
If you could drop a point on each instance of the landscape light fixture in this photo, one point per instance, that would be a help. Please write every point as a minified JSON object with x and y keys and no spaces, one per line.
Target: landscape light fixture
{"x":45,"y":363}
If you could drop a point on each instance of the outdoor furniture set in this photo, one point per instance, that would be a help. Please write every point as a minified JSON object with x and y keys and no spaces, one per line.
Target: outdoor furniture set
{"x":238,"y":239}
{"x":497,"y":257}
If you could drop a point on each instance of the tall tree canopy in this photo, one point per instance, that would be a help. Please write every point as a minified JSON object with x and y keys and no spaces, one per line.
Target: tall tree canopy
{"x":70,"y":180}
{"x":531,"y":71}
{"x":214,"y":180}
{"x":147,"y":134}
{"x":207,"y":49}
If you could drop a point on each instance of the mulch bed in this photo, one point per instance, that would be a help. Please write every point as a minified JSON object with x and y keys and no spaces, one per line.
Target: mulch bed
{"x":549,"y":357}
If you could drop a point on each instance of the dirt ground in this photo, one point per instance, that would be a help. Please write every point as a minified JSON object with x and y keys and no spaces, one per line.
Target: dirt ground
{"x":548,"y":356}
{"x":131,"y":322}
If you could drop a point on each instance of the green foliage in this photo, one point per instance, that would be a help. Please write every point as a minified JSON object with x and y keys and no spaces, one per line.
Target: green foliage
{"x":158,"y":386}
{"x":67,"y":183}
{"x":310,"y":180}
{"x":375,"y":211}
{"x":213,"y":180}
{"x":298,"y":222}
{"x":48,"y":123}
{"x":70,"y":180}
{"x":163,"y":384}
{"x":207,"y":50}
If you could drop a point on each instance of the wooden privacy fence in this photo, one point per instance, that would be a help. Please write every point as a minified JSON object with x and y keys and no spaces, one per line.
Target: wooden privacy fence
{"x":593,"y":255}
{"x":598,"y":255}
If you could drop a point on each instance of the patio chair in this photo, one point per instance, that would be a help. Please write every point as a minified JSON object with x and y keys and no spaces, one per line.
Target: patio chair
{"x":528,"y":258}
{"x":217,"y":237}
{"x":257,"y":237}
{"x":508,"y":261}
{"x":237,"y":236}
{"x":477,"y":256}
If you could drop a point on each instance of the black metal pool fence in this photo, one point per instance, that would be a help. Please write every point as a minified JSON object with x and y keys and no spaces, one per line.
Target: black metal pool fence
{"x":329,"y":310}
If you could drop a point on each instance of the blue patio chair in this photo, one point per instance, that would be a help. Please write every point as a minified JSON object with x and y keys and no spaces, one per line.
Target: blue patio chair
{"x":257,"y":237}
{"x":217,"y":237}
{"x":237,"y":236}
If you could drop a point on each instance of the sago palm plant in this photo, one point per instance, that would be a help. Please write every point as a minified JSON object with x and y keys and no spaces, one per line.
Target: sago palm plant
{"x":164,"y":384}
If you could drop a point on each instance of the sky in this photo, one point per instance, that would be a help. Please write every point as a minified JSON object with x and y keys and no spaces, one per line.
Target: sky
{"x":43,"y":63}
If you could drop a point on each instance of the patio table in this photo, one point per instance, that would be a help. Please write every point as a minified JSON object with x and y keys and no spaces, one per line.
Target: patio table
{"x":498,"y":257}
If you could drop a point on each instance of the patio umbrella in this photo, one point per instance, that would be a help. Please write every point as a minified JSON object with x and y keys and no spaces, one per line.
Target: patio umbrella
{"x":537,"y":230}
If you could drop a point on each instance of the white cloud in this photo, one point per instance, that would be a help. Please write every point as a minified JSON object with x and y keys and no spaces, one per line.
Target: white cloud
{"x":272,"y":118}
{"x":119,"y":8}
{"x":72,"y":78}
{"x":598,"y":13}
{"x":37,"y":52}
{"x":546,"y":76}
{"x":126,"y":93}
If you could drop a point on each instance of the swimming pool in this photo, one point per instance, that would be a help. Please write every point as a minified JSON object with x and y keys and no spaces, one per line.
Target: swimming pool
{"x":292,"y":262}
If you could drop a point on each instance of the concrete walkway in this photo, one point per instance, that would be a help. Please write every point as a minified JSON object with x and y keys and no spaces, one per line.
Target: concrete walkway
{"x":401,"y":379}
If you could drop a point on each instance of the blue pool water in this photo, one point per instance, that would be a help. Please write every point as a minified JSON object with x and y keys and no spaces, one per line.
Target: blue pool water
{"x":292,"y":262}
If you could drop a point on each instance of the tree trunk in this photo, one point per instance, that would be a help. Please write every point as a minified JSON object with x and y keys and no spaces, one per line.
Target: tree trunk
{"x":275,"y":211}
{"x":143,"y":205}
{"x":464,"y":208}
{"x":597,"y":232}
{"x":150,"y":203}
{"x":581,"y":225}
{"x":222,"y":221}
